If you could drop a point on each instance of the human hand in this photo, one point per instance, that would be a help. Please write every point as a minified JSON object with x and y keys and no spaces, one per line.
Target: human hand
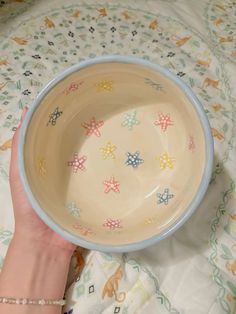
{"x":28,"y":226}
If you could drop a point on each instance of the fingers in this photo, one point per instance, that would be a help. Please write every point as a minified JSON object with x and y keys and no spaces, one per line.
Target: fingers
{"x":13,"y":165}
{"x":16,"y":135}
{"x":23,"y":114}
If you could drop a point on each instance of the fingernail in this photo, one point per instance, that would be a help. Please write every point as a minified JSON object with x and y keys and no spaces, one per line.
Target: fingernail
{"x":24,"y":113}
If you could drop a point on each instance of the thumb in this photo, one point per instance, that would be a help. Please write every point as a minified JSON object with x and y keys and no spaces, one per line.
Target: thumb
{"x":15,"y":143}
{"x":23,"y":114}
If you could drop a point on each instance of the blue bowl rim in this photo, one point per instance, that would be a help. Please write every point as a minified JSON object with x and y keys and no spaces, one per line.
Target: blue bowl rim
{"x":202,"y":187}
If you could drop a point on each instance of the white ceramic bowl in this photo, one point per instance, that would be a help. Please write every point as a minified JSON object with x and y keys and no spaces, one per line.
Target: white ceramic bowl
{"x":115,"y":154}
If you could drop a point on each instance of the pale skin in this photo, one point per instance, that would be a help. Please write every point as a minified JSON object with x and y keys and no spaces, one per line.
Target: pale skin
{"x":37,"y":262}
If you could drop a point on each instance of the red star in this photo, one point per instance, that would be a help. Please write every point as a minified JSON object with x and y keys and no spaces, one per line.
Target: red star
{"x":92,"y":127}
{"x":77,"y":163}
{"x":111,"y":184}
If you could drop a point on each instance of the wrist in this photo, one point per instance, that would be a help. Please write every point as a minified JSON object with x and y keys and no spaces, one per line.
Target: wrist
{"x":34,"y":271}
{"x":52,"y":246}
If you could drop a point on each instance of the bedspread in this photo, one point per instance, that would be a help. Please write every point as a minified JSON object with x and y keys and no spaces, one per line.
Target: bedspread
{"x":194,"y":270}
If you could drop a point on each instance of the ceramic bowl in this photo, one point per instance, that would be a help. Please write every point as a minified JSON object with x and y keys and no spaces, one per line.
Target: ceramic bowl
{"x":115,"y":154}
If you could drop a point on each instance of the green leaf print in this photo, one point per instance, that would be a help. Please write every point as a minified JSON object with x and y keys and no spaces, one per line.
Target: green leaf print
{"x":196,"y":43}
{"x":217,"y":72}
{"x":5,"y":236}
{"x":125,"y":310}
{"x":5,"y":46}
{"x":4,"y":175}
{"x":227,"y":253}
{"x":191,"y":81}
{"x":18,"y":84}
{"x":232,"y":287}
{"x":225,"y":127}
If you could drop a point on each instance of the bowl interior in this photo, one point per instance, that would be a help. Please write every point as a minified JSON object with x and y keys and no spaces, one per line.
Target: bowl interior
{"x":115,"y":153}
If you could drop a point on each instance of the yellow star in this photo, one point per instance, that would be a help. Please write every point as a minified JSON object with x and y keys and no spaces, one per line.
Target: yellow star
{"x":108,"y":151}
{"x":42,"y":166}
{"x":166,"y":161}
{"x":104,"y":85}
{"x":150,"y":220}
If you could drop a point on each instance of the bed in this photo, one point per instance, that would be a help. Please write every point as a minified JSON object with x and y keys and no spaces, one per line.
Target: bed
{"x":194,"y":270}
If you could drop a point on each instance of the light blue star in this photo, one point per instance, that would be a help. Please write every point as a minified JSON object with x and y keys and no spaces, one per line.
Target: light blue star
{"x":130,"y":120}
{"x":73,"y":209}
{"x":164,"y":197}
{"x":134,"y":160}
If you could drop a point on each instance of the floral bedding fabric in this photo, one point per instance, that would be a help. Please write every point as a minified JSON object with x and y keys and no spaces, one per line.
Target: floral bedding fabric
{"x":194,"y":270}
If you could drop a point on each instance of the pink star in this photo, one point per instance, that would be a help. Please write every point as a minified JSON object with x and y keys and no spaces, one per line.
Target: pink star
{"x":164,"y":121}
{"x":85,"y":231}
{"x":77,"y":163}
{"x":191,"y":145}
{"x":92,"y":127}
{"x":73,"y":87}
{"x":111,"y":184}
{"x":112,"y":224}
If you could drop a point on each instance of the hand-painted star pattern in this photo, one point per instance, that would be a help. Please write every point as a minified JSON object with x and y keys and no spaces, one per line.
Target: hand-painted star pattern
{"x":163,"y":198}
{"x":73,"y":209}
{"x":112,"y":224}
{"x":166,"y":161}
{"x":130,"y":120}
{"x":42,"y":166}
{"x":92,"y":127}
{"x":104,"y":85}
{"x":77,"y":163}
{"x":134,"y":160}
{"x":85,"y":231}
{"x":108,"y":151}
{"x":73,"y":87}
{"x":155,"y":85}
{"x":191,"y":144}
{"x":150,"y":220}
{"x":164,"y":121}
{"x":111,"y":185}
{"x":54,"y":116}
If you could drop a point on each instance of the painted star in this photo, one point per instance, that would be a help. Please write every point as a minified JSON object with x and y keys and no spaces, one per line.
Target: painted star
{"x":108,"y":151}
{"x":92,"y":127}
{"x":104,"y":85}
{"x":77,"y":163}
{"x":191,"y":144}
{"x":73,"y":209}
{"x":112,"y":224}
{"x":134,"y":160}
{"x":54,"y":116}
{"x":111,"y":185}
{"x":42,"y":166}
{"x":164,"y":121}
{"x":163,"y":198}
{"x":130,"y":120}
{"x":166,"y":161}
{"x":85,"y":231}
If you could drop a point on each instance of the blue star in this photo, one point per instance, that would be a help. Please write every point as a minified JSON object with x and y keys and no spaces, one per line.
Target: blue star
{"x":134,"y":160}
{"x":164,"y":197}
{"x":130,"y":120}
{"x":54,"y":116}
